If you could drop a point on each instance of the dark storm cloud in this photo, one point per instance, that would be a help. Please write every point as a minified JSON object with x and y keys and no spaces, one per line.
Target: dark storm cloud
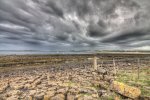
{"x":52,"y":8}
{"x":62,"y":37}
{"x":96,"y":30}
{"x":131,"y":34}
{"x":80,"y":24}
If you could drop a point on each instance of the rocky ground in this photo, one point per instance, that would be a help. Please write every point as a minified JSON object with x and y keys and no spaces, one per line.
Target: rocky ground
{"x":63,"y":82}
{"x":68,"y":81}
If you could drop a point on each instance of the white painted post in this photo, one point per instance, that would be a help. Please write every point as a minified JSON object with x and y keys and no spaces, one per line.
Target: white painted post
{"x":95,"y":62}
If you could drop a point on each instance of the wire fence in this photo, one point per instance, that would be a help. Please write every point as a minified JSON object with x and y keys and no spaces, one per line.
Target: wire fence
{"x":95,"y":62}
{"x":122,"y":64}
{"x":120,"y":61}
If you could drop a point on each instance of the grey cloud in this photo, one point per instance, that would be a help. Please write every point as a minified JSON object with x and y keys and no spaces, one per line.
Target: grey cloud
{"x":62,"y":37}
{"x":55,"y":9}
{"x":32,"y":42}
{"x":76,"y":23}
{"x":96,"y":30}
{"x":81,"y":7}
{"x":131,"y":34}
{"x":102,"y":24}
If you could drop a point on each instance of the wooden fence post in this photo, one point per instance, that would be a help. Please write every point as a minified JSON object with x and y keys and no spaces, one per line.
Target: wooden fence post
{"x":138,"y":68}
{"x":95,"y":62}
{"x":114,"y":65}
{"x":102,"y":64}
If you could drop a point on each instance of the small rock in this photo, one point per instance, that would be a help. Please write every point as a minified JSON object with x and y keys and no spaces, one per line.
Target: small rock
{"x":37,"y":82}
{"x":95,"y":95}
{"x":82,"y":90}
{"x":8,"y":95}
{"x":32,"y":92}
{"x":73,"y":91}
{"x":101,"y":71}
{"x":101,"y":92}
{"x":70,"y":97}
{"x":19,"y":92}
{"x":108,"y":78}
{"x":12,"y":98}
{"x":80,"y":98}
{"x":86,"y":97}
{"x":94,"y":73}
{"x":14,"y":92}
{"x":27,"y":86}
{"x":50,"y":93}
{"x":52,"y":88}
{"x":39,"y":96}
{"x":3,"y":87}
{"x":116,"y":98}
{"x":58,"y":97}
{"x":18,"y":87}
{"x":52,"y":83}
{"x":103,"y":85}
{"x":129,"y":64}
{"x":46,"y":97}
{"x":63,"y":90}
{"x":30,"y":98}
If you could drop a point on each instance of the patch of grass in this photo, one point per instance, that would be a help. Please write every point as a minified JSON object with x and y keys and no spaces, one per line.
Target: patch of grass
{"x":110,"y":98}
{"x":95,"y":87}
{"x":145,"y":92}
{"x":143,"y":83}
{"x":70,"y":83}
{"x":148,"y":82}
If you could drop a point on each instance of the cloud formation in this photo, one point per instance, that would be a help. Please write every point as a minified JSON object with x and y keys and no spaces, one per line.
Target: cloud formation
{"x":74,"y":24}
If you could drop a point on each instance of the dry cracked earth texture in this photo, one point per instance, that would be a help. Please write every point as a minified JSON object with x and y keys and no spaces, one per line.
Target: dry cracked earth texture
{"x":64,"y":82}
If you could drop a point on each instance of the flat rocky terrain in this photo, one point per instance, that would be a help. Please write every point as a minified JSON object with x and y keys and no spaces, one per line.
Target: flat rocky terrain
{"x":70,"y":80}
{"x":56,"y":83}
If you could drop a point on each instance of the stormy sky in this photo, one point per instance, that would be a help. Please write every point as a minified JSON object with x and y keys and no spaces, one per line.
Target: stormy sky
{"x":74,"y":25}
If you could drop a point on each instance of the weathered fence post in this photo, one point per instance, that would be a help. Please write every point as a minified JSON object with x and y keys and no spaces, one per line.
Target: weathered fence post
{"x":114,"y":65}
{"x":95,"y":63}
{"x":138,"y":68}
{"x":102,"y":64}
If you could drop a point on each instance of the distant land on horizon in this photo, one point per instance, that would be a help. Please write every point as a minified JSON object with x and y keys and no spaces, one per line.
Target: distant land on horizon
{"x":24,"y":52}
